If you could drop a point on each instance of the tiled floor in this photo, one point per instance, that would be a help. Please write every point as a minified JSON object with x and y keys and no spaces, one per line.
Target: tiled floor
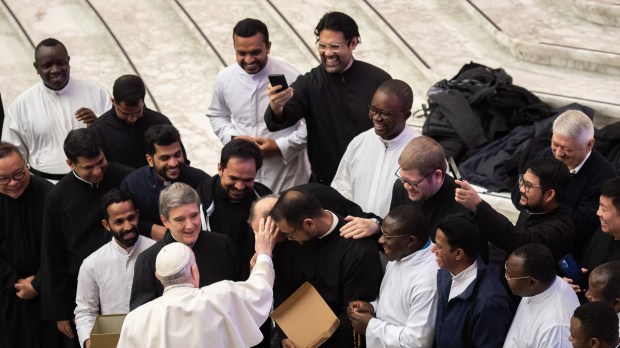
{"x":564,"y":50}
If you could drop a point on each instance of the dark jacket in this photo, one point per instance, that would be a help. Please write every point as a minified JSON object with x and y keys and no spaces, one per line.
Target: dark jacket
{"x":477,"y":318}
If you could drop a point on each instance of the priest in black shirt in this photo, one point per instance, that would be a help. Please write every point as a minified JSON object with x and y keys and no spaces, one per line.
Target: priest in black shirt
{"x":179,"y":206}
{"x":21,"y":206}
{"x":72,"y":227}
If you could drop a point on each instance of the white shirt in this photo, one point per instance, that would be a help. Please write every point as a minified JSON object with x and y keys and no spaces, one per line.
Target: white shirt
{"x":39,"y":119}
{"x":224,"y":314}
{"x":238,"y":107}
{"x":578,"y":168}
{"x":543,"y":320}
{"x":365,"y":174}
{"x":104,"y":283}
{"x":461,"y":281}
{"x":406,"y":308}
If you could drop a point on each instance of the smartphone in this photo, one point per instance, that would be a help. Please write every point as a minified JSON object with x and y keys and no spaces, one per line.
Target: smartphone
{"x":453,"y":168}
{"x":570,"y":269}
{"x":278,"y":80}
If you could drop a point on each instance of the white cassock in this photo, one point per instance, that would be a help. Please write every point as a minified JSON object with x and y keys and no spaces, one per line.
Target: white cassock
{"x":224,"y":314}
{"x":39,"y":119}
{"x":544,"y":320}
{"x":238,"y":108}
{"x":365,"y":174}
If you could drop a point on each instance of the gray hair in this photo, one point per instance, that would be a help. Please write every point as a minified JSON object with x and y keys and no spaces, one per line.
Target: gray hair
{"x":176,"y":195}
{"x":574,"y":124}
{"x":264,"y":213}
{"x":181,"y":277}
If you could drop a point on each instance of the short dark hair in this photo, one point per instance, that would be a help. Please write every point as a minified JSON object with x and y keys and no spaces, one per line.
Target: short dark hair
{"x":7,"y":149}
{"x":249,"y":27}
{"x":338,"y":21}
{"x":538,"y":262}
{"x":161,"y":135}
{"x":553,"y":174}
{"x":128,"y":89}
{"x":610,"y":274}
{"x":461,"y":231}
{"x":611,"y":190}
{"x":401,"y":90}
{"x":294,"y":206}
{"x":83,"y":142}
{"x":243,"y":149}
{"x":598,"y":320}
{"x":408,"y":220}
{"x":49,"y":42}
{"x":113,"y":196}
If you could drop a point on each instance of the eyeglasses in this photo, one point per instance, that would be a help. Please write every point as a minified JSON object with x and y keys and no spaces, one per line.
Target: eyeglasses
{"x":373,"y":111}
{"x":289,"y":235}
{"x":127,"y":115}
{"x":390,"y":237}
{"x":514,"y":278}
{"x":527,"y":186}
{"x":333,"y":47}
{"x":411,"y":183}
{"x":16,"y":176}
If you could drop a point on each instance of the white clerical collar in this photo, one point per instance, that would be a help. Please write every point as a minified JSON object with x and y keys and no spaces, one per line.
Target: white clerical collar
{"x":545,"y":294}
{"x":333,"y":227}
{"x":404,"y":135}
{"x":82,"y":180}
{"x":578,"y":168}
{"x":66,"y":89}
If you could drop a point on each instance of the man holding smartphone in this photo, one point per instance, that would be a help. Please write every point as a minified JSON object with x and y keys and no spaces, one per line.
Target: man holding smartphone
{"x":332,"y":98}
{"x":240,"y":96}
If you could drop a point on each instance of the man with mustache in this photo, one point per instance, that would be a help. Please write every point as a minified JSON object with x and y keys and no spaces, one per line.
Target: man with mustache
{"x":39,"y":119}
{"x":544,"y":219}
{"x":166,"y":165}
{"x":332,"y":98}
{"x":104,"y":281}
{"x":226,"y":198}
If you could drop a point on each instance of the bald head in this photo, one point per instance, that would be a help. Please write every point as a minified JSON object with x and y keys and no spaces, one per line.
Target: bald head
{"x":260,"y":210}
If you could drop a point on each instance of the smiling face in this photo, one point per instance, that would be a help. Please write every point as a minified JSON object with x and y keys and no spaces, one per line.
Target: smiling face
{"x":387,"y":115}
{"x":122,"y":222}
{"x":444,"y":253}
{"x":336,"y":62}
{"x":251,"y":52}
{"x":13,"y":167}
{"x":90,"y":169}
{"x":532,"y":200}
{"x":184,"y":223}
{"x":237,"y":179}
{"x":569,"y":151}
{"x":609,"y":217}
{"x":52,"y":64}
{"x":167,"y":161}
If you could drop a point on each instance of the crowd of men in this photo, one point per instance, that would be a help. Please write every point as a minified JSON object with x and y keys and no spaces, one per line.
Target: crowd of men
{"x":321,"y":182}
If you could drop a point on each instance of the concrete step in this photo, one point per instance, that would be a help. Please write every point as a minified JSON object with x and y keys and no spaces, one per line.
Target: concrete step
{"x":605,"y":12}
{"x":548,"y":32}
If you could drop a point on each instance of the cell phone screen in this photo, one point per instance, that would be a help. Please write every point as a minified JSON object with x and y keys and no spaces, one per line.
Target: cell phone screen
{"x":278,"y":80}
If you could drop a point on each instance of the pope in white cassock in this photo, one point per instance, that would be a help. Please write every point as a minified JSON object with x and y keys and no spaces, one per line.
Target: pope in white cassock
{"x":224,"y":314}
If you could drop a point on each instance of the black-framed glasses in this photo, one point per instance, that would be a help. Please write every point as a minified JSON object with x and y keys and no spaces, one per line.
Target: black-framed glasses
{"x":383,"y":114}
{"x":16,"y":176}
{"x":411,"y":183}
{"x":289,"y":235}
{"x":527,"y":186}
{"x":335,"y":47}
{"x":390,"y":237}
